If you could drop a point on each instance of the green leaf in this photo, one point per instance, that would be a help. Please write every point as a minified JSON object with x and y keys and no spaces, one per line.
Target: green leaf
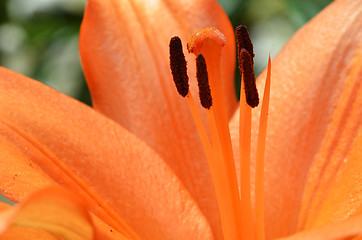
{"x":301,"y":11}
{"x":231,"y":6}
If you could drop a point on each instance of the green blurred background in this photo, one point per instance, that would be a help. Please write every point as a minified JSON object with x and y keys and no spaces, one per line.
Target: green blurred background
{"x":39,"y":38}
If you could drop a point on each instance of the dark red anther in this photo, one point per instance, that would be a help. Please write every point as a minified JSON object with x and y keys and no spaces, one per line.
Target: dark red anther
{"x":178,"y":66}
{"x":247,"y":72}
{"x":203,"y":82}
{"x":243,"y":40}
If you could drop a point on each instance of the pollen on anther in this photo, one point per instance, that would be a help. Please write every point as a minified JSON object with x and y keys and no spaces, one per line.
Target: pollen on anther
{"x":243,"y":40}
{"x":203,"y":82}
{"x":178,"y":66}
{"x":247,"y":71}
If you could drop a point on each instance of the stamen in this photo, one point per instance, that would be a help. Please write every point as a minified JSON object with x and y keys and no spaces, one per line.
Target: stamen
{"x":203,"y":82}
{"x":180,"y":77}
{"x":244,"y":44}
{"x":259,"y":168}
{"x":243,"y":40}
{"x":247,"y":226}
{"x":247,"y":71}
{"x":178,"y":66}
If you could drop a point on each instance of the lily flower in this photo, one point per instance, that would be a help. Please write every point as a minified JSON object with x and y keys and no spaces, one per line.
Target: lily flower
{"x":137,"y":159}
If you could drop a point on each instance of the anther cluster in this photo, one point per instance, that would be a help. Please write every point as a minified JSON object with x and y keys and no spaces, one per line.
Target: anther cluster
{"x":245,"y":57}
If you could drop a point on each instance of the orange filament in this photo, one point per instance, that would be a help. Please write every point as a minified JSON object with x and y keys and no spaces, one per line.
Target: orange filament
{"x":200,"y":127}
{"x":247,"y":224}
{"x":218,"y":173}
{"x":259,"y":169}
{"x":235,"y":208}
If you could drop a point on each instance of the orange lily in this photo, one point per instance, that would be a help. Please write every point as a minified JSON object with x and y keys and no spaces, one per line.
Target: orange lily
{"x":129,"y":174}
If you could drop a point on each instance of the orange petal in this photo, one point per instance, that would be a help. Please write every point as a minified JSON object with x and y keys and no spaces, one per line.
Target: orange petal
{"x":101,"y":231}
{"x":20,"y":233}
{"x":46,"y":138}
{"x":339,"y":194}
{"x":347,"y":230}
{"x":4,"y":206}
{"x":125,"y":57}
{"x":5,"y":214}
{"x":315,"y":102}
{"x":53,"y":213}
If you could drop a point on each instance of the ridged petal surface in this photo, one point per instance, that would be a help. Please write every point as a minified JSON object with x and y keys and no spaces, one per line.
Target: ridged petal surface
{"x":314,"y":118}
{"x":125,"y":57}
{"x":48,"y":138}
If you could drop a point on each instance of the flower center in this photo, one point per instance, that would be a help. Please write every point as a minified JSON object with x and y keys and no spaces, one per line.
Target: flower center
{"x":234,"y":200}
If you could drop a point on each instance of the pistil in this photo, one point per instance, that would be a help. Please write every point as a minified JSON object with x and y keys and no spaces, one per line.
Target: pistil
{"x":209,"y":43}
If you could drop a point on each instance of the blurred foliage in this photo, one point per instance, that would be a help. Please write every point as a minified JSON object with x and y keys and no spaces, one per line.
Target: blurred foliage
{"x":303,"y":10}
{"x":39,"y":38}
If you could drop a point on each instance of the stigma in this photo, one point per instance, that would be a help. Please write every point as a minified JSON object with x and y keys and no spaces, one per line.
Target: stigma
{"x":238,"y":219}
